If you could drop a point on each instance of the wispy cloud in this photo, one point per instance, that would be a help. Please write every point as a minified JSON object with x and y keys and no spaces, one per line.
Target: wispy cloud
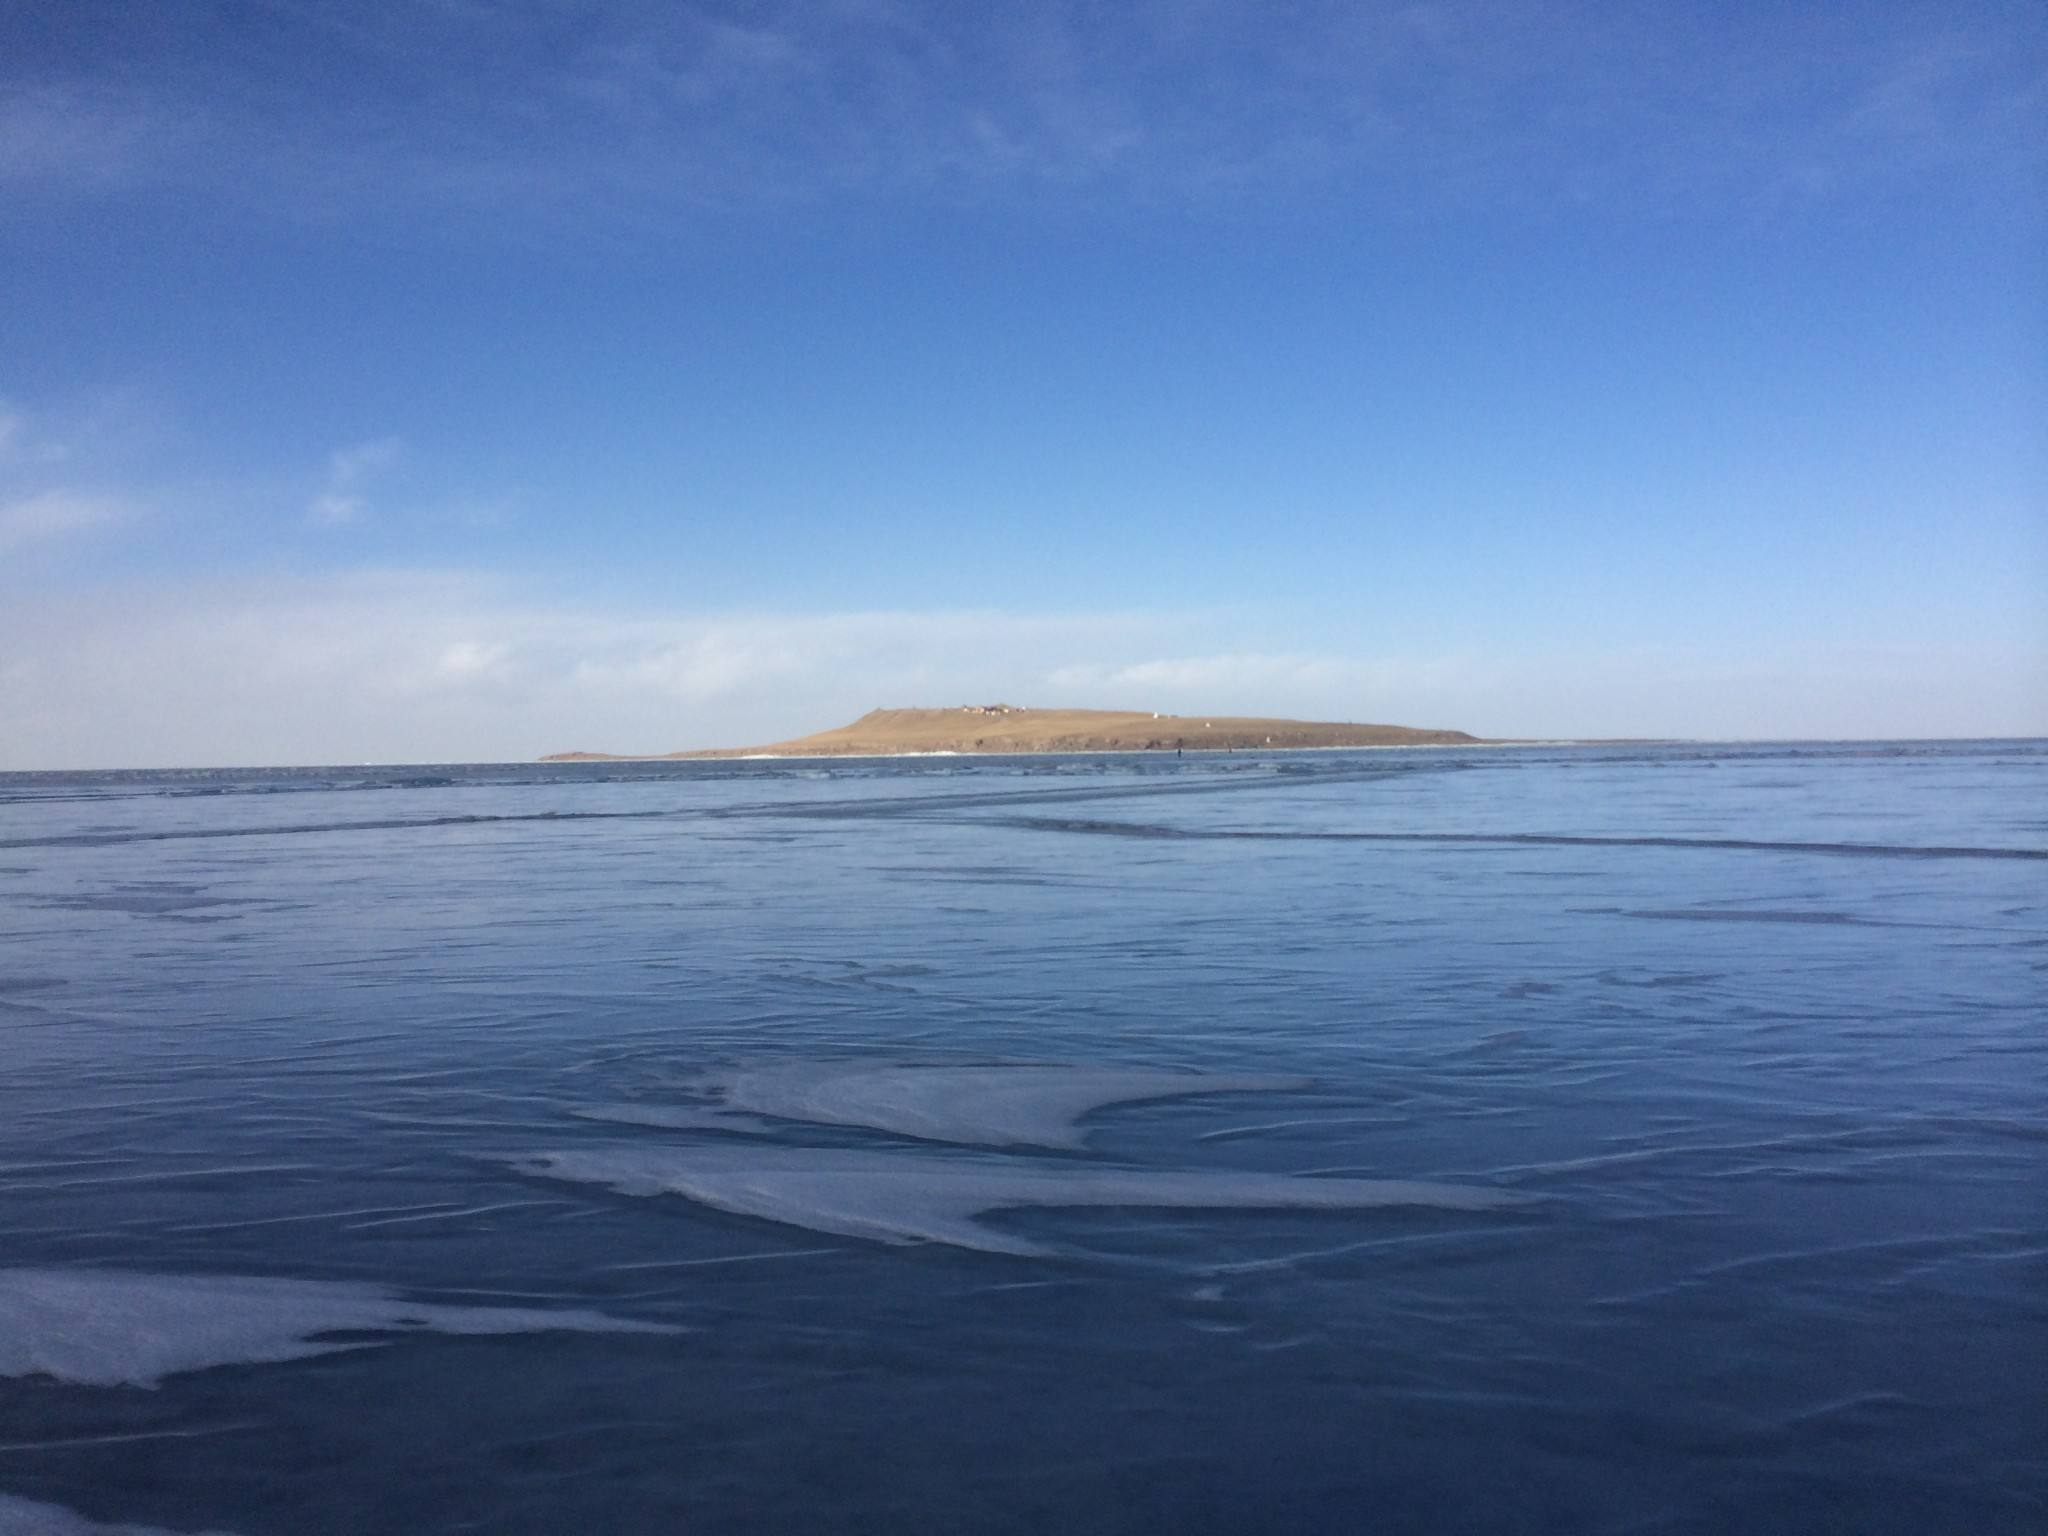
{"x":46,"y":499}
{"x":54,"y":515}
{"x":1839,"y":692}
{"x":92,"y":133}
{"x":27,"y":442}
{"x":344,"y":495}
{"x":641,"y":108}
{"x":1448,"y":689}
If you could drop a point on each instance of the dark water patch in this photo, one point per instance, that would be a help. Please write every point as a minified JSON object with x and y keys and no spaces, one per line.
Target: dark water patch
{"x":403,"y":824}
{"x":1822,"y":919}
{"x":1519,"y":839}
{"x":184,"y":903}
{"x":29,"y":983}
{"x":1160,"y":786}
{"x":1657,"y":980}
{"x":991,"y":876}
{"x":919,"y":806}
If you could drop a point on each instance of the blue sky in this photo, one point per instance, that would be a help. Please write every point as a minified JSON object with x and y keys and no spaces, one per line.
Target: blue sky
{"x":458,"y":380}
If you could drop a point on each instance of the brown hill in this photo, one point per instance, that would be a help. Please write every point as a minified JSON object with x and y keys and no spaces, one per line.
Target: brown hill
{"x":1009,"y":728}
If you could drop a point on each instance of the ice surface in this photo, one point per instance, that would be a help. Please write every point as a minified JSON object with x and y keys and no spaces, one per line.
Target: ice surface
{"x":992,"y":1106}
{"x":26,"y":1517}
{"x":106,"y":1328}
{"x":673,"y":1117}
{"x":908,"y":1197}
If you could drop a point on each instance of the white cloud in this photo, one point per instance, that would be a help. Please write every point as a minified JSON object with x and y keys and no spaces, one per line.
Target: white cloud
{"x":1413,"y":690}
{"x":53,"y":515}
{"x":467,"y":659}
{"x":706,"y":665}
{"x":1228,"y":673}
{"x":352,"y":465}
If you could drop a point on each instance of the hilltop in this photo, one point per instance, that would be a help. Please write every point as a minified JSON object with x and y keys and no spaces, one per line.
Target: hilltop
{"x":1014,"y":728}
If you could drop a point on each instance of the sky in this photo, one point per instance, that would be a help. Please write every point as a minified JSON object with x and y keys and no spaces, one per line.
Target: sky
{"x":465,"y":381}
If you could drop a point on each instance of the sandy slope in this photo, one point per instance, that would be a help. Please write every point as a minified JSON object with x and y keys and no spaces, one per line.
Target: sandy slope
{"x":1003,"y":728}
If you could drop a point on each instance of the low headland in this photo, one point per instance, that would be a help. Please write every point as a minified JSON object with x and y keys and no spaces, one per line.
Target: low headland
{"x":1014,"y":728}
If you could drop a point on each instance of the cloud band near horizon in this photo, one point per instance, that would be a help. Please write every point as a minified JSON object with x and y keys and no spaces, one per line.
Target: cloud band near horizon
{"x":442,"y":667}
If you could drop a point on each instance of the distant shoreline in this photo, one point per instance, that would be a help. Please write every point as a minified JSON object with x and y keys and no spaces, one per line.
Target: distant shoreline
{"x":1007,"y":729}
{"x":1702,"y":743}
{"x":731,"y":756}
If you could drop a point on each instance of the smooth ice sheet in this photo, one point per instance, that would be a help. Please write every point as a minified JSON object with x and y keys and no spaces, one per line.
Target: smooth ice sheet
{"x":908,"y":1198}
{"x":995,"y":1106}
{"x":107,"y":1328}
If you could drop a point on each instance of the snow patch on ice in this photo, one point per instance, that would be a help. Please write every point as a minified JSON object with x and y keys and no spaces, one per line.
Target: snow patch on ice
{"x":26,"y":1517}
{"x":109,"y":1328}
{"x":908,"y":1198}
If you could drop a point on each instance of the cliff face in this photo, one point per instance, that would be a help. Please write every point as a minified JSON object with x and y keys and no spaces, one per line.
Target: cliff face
{"x":1010,"y":728}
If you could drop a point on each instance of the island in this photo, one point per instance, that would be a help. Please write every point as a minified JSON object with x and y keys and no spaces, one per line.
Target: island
{"x":974,"y":728}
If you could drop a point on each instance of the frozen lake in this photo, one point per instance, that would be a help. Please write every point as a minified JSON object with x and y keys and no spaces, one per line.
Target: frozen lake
{"x":1576,"y":1139}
